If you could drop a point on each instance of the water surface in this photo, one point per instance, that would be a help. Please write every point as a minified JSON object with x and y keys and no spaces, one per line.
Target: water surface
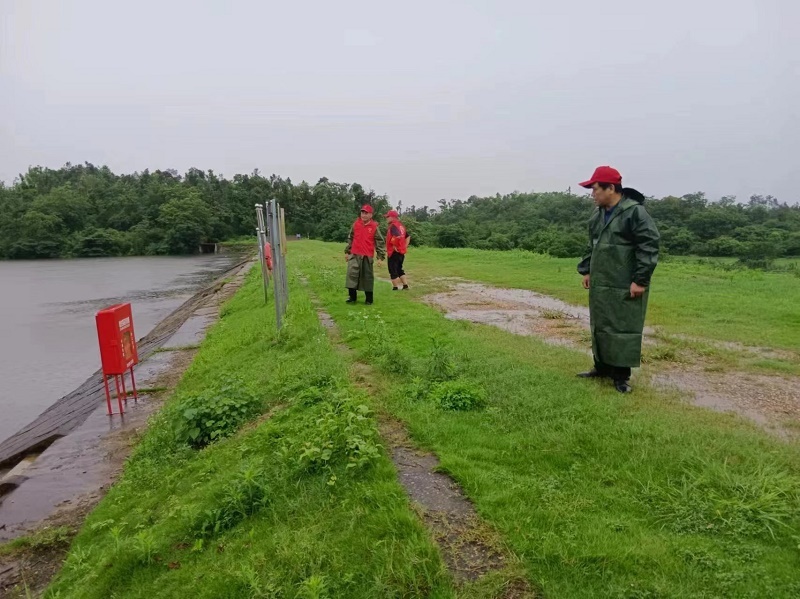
{"x":48,"y":340}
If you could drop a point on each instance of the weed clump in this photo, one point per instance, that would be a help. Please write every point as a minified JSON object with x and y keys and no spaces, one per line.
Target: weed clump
{"x":342,"y":431}
{"x":241,"y":498}
{"x":201,"y":419}
{"x":442,"y":363}
{"x":458,"y":396}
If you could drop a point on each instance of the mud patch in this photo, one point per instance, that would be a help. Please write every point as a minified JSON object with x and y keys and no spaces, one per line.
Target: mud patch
{"x":517,"y":311}
{"x":469,"y":547}
{"x":771,"y":401}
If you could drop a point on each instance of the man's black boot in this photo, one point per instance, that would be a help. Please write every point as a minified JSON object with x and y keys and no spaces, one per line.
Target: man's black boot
{"x":353,"y":297}
{"x":623,"y":386}
{"x":591,"y":374}
{"x":369,"y":298}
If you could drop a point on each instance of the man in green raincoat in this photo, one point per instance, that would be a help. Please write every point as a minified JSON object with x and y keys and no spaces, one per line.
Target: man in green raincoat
{"x":616,"y":269}
{"x":363,"y":242}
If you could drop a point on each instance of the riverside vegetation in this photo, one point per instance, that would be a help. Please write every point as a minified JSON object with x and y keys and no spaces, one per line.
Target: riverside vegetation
{"x":288,"y":490}
{"x":85,"y":210}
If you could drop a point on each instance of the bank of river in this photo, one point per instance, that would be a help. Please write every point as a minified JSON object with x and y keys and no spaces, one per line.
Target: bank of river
{"x":48,"y":343}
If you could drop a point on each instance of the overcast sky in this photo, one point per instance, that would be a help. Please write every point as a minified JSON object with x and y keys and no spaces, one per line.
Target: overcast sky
{"x":417,"y":99}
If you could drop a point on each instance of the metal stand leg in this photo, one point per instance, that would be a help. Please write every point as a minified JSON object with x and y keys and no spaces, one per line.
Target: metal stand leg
{"x":119,"y":395}
{"x":108,"y":394}
{"x":133,"y":384}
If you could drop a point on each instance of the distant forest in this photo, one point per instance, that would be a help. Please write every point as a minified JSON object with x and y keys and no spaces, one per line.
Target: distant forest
{"x":84,"y":210}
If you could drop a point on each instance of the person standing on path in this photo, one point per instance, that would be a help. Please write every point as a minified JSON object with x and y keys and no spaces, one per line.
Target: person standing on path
{"x":617,"y":267}
{"x":363,"y":242}
{"x":397,"y":240}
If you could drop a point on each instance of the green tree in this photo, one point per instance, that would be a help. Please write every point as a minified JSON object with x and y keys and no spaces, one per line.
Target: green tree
{"x":186,"y":222}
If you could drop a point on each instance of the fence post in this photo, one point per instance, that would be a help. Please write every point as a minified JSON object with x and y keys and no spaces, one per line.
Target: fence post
{"x":262,"y":240}
{"x":274,"y":234}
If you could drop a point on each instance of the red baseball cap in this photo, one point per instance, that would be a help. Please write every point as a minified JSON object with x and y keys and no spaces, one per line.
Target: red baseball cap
{"x":391,"y":213}
{"x":366,"y":208}
{"x":604,"y":174}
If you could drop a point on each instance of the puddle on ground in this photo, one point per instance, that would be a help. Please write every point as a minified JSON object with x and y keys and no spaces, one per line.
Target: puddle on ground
{"x":517,"y":311}
{"x":769,"y":401}
{"x":70,"y":468}
{"x":766,"y":400}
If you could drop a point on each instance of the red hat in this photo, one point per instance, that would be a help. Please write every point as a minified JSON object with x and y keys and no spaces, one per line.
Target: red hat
{"x":391,"y":213}
{"x":366,"y":208}
{"x":604,"y":174}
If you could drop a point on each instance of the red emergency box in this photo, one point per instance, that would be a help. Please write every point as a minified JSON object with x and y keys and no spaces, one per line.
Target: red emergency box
{"x":118,"y":352}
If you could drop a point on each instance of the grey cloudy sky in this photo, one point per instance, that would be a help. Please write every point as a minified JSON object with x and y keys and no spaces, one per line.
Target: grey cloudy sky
{"x":417,"y":99}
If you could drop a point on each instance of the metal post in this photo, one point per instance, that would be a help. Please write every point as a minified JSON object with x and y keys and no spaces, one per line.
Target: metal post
{"x":261,"y":237}
{"x":283,"y":258}
{"x":272,"y":226}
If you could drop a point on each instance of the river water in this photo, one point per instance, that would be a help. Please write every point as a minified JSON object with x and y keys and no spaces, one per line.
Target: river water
{"x":48,"y":340}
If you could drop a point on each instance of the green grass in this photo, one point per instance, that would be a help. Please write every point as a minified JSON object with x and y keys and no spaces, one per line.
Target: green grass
{"x":687,"y":297}
{"x":42,"y":540}
{"x":303,"y":503}
{"x":600,"y":495}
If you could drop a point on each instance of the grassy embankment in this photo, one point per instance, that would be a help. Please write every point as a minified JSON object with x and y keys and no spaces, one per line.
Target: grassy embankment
{"x":600,"y":495}
{"x":301,"y":502}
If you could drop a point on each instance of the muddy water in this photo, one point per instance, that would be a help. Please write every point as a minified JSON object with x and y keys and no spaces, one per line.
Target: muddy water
{"x":48,"y":342}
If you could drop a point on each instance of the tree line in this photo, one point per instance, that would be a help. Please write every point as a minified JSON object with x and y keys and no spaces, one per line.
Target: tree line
{"x":85,"y":210}
{"x":555,"y":223}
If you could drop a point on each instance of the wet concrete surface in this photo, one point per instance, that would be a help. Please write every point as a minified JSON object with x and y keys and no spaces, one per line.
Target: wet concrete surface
{"x":77,"y":464}
{"x":192,"y":332}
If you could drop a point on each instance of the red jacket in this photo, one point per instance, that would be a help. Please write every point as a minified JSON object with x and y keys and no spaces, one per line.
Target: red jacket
{"x":396,"y":238}
{"x":363,"y":238}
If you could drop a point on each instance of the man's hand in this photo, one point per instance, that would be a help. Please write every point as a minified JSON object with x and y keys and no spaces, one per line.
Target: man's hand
{"x":637,"y":290}
{"x":586,"y":281}
{"x":346,"y":257}
{"x":380,"y":262}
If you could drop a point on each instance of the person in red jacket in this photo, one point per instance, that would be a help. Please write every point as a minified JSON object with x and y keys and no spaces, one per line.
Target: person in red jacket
{"x":364,"y":241}
{"x":397,"y":240}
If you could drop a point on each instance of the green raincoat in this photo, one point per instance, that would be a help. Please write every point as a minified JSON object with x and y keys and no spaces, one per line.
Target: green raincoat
{"x":620,"y":252}
{"x":360,"y":269}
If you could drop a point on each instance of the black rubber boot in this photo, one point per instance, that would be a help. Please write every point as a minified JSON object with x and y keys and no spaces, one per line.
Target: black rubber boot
{"x":353,"y":296}
{"x":369,"y":297}
{"x":592,"y":374}
{"x":622,"y":386}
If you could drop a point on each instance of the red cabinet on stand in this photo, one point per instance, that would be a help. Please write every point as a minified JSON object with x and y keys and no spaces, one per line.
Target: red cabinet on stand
{"x":118,"y":352}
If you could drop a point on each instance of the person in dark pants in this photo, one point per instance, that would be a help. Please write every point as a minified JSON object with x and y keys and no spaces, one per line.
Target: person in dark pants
{"x":397,"y":240}
{"x":363,"y":242}
{"x":617,"y":267}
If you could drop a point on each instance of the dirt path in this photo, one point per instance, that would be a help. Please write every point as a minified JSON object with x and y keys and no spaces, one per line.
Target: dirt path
{"x":772,"y":401}
{"x":471,"y":549}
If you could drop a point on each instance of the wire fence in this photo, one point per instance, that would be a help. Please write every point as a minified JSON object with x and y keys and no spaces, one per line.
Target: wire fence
{"x":271,"y":234}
